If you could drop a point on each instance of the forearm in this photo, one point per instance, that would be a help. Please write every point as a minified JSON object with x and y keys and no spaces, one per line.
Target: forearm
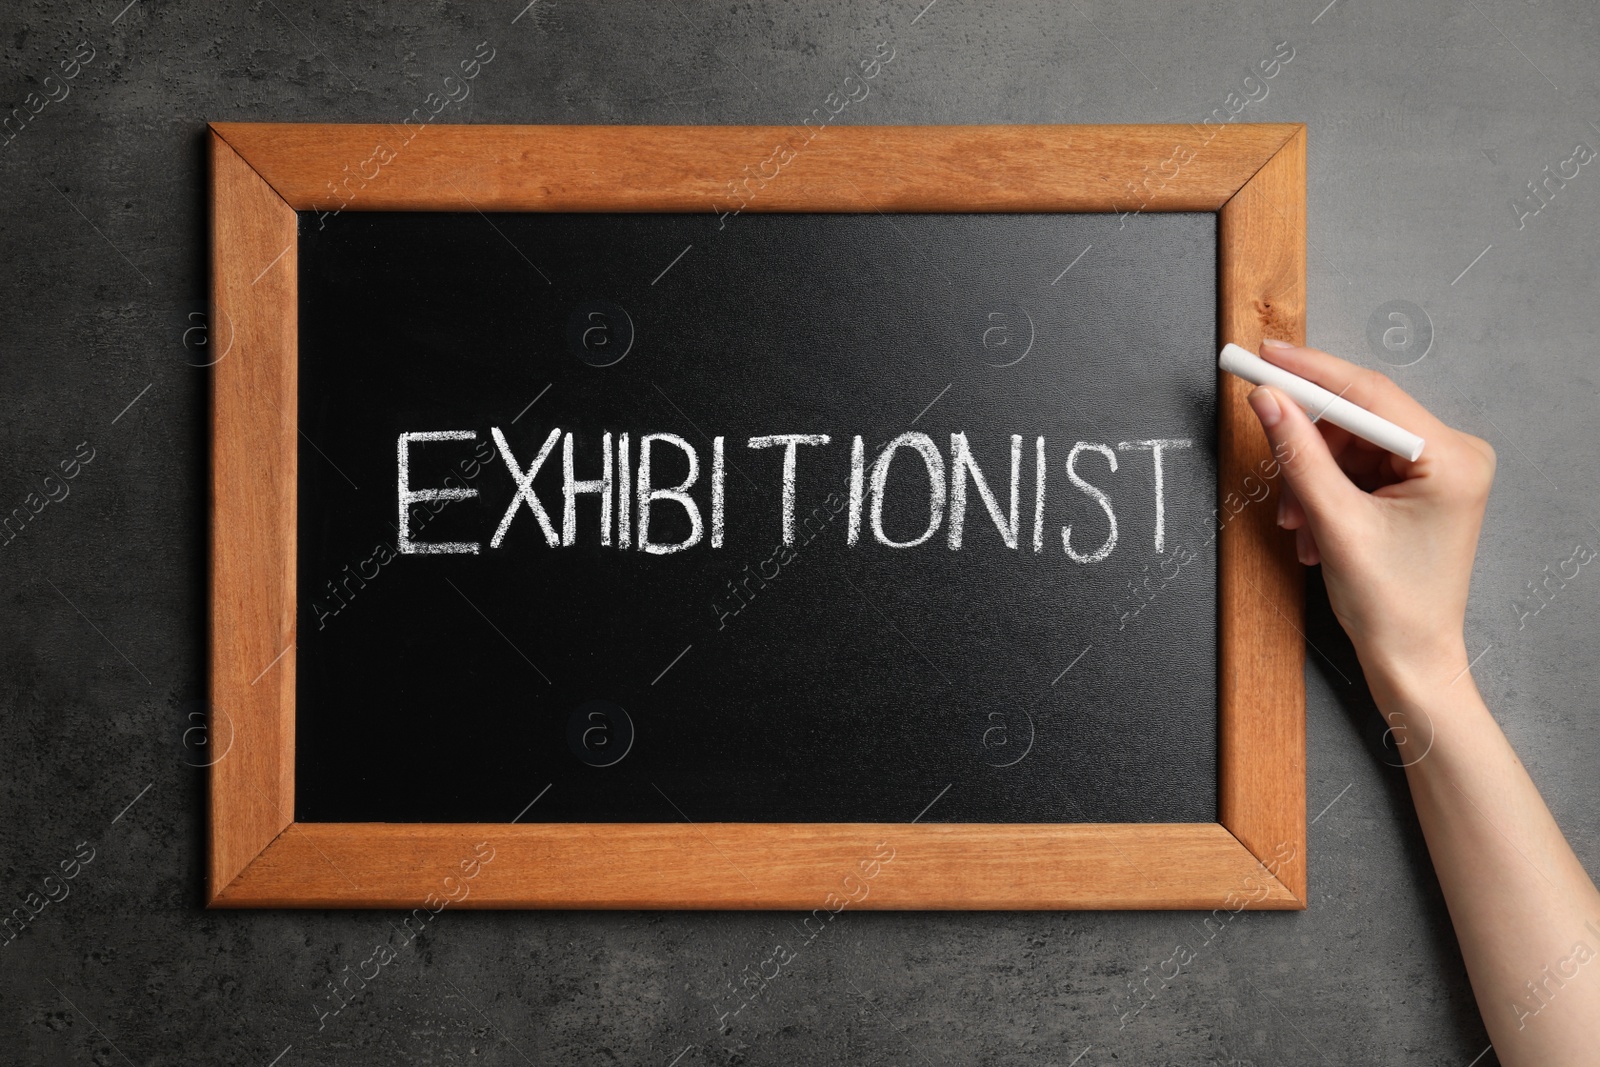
{"x":1526,"y":914}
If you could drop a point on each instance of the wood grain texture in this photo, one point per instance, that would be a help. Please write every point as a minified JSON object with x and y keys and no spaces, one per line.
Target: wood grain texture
{"x":716,"y":168}
{"x":253,"y":470}
{"x":1261,"y":758}
{"x":759,"y":865}
{"x":1253,"y":175}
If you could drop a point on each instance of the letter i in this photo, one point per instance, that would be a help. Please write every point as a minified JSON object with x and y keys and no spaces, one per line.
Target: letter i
{"x":716,"y":492}
{"x":1038,"y":495}
{"x":857,"y":467}
{"x":624,"y":493}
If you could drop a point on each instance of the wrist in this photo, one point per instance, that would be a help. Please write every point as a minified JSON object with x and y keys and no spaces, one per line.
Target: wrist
{"x":1435,"y":716}
{"x":1415,"y":674}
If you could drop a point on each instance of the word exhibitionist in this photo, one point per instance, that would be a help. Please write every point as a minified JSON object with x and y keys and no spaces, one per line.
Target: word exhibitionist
{"x":630,"y":495}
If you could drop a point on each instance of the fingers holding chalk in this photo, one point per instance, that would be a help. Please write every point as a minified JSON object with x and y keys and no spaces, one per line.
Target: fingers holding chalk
{"x":1360,"y":385}
{"x":1320,"y":486}
{"x":1319,"y":402}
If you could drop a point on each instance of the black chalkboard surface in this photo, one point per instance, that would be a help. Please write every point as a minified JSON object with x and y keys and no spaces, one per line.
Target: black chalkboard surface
{"x":451,"y":670}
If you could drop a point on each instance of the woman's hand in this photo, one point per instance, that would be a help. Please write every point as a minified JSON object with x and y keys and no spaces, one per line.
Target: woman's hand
{"x":1396,"y":541}
{"x":1395,"y":538}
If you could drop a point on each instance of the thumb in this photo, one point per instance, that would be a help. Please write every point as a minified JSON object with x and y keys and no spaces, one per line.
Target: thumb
{"x":1302,"y":453}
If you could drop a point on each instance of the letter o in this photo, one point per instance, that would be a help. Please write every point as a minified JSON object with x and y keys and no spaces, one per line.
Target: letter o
{"x":924,"y":446}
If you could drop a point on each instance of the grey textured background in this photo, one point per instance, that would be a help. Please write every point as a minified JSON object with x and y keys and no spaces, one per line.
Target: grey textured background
{"x":1426,"y":120}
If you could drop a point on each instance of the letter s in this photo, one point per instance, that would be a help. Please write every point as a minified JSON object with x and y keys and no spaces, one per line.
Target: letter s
{"x":1099,"y":497}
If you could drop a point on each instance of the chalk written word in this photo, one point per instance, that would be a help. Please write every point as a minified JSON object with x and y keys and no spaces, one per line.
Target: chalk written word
{"x":629,"y":494}
{"x":1542,"y":992}
{"x":55,"y":890}
{"x":55,"y":491}
{"x":1183,"y":955}
{"x":1540,"y":595}
{"x":1543,"y":194}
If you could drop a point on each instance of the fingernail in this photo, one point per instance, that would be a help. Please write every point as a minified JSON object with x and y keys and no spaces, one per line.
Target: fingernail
{"x":1266,"y":407}
{"x":1273,"y":342}
{"x":1281,"y":502}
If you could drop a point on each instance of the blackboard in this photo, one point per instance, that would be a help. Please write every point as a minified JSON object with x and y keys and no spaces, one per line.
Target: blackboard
{"x":452,"y":676}
{"x":1019,"y":623}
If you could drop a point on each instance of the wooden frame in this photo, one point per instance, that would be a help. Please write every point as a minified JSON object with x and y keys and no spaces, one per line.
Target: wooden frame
{"x":1252,"y":176}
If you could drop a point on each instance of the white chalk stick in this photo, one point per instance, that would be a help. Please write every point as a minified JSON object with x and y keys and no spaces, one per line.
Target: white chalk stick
{"x":1319,"y":403}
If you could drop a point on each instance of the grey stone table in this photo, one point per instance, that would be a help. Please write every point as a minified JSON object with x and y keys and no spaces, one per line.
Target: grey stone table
{"x":1427,"y":124}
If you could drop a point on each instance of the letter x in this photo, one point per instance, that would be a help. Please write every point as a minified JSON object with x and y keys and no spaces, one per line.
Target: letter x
{"x":525,"y":487}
